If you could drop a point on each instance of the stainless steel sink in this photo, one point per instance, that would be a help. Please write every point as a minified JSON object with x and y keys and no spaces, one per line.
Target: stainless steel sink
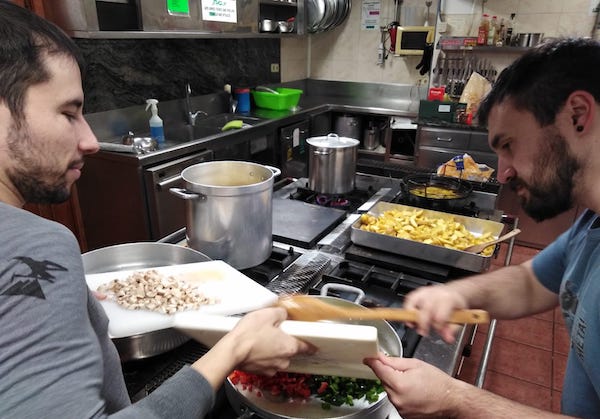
{"x":220,"y":120}
{"x":205,"y":127}
{"x":182,"y":133}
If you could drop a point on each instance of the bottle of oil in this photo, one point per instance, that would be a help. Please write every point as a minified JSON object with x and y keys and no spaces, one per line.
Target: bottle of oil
{"x":484,"y":27}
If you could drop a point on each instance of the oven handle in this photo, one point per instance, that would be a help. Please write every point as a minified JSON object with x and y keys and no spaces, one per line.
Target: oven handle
{"x":360,"y":294}
{"x":167,"y":183}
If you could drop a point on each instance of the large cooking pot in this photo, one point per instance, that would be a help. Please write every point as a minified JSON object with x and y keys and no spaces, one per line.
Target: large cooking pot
{"x":132,"y":256}
{"x":332,"y":164}
{"x":436,"y":192}
{"x":349,"y":126}
{"x":249,"y":403}
{"x":229,"y":210}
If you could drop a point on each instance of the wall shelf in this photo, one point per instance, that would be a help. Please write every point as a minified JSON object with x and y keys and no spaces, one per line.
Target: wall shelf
{"x":487,"y":48}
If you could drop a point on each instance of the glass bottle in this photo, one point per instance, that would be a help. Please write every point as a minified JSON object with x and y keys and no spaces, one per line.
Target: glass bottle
{"x":509,"y":30}
{"x":492,"y":31}
{"x":484,"y":27}
{"x":501,"y":34}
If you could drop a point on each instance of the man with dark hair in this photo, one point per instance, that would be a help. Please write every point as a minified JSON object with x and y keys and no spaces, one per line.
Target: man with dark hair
{"x":56,"y":359}
{"x":543,"y":119}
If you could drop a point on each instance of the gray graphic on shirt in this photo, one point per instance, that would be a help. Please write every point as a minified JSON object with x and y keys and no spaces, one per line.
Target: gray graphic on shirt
{"x":26,"y":274}
{"x":569,"y":302}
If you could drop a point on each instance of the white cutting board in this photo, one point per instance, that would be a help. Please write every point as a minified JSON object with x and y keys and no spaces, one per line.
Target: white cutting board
{"x":236,"y":293}
{"x":341,"y":347}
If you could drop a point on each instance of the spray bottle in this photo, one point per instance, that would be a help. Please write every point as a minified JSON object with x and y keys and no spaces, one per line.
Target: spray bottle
{"x":156,"y":124}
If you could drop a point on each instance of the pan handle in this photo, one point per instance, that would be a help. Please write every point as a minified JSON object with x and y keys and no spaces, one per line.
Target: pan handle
{"x":184,"y":194}
{"x":360,"y":294}
{"x":275,"y":170}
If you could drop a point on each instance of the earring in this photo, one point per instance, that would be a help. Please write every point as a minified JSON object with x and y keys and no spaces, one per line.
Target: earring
{"x":579,"y":128}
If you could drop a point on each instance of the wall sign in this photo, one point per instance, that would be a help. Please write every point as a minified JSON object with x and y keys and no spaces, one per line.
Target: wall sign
{"x":371,"y":10}
{"x":178,"y":7}
{"x":219,"y":10}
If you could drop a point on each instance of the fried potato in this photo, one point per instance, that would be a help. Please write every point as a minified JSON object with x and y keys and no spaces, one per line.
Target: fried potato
{"x":414,"y":225}
{"x":435,"y":192}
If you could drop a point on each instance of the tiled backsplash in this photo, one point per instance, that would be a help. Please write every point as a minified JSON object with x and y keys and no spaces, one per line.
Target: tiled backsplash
{"x":349,"y":53}
{"x":122,"y":73}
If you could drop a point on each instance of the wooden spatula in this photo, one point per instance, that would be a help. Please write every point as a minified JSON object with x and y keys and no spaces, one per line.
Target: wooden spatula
{"x":478,"y":248}
{"x":308,"y":308}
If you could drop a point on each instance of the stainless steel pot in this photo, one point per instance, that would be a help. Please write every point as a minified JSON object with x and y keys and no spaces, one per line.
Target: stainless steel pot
{"x":332,"y":164}
{"x":349,"y":126}
{"x":133,"y":256}
{"x":229,"y":210}
{"x":249,"y":403}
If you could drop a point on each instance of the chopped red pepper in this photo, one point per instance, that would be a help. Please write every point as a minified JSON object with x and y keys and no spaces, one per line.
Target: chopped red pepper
{"x":322,"y":387}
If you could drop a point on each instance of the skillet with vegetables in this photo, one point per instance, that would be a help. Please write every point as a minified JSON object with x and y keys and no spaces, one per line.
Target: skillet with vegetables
{"x":331,"y":391}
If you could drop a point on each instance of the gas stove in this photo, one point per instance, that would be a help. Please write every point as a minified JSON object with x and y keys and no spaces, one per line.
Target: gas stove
{"x":312,"y":252}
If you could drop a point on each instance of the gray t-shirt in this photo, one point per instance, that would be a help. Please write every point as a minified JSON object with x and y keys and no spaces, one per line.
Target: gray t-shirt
{"x":56,"y":359}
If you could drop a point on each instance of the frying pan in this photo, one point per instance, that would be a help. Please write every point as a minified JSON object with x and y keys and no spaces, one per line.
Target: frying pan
{"x":415,"y":187}
{"x":144,"y":255}
{"x":248,"y":403}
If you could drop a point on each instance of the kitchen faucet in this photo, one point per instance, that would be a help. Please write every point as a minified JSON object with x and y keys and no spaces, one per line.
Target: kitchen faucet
{"x":191,"y":116}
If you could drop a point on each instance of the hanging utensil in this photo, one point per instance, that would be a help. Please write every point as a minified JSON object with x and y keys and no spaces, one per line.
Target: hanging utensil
{"x":309,"y":308}
{"x":428,"y":3}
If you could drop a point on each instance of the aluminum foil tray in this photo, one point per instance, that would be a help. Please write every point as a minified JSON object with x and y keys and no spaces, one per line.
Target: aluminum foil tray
{"x":449,"y":257}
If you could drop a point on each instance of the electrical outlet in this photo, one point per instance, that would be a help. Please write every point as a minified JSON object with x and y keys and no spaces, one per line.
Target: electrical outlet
{"x":423,"y":81}
{"x":274,"y":67}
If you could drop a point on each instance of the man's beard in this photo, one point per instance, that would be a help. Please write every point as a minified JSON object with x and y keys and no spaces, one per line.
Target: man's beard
{"x":36,"y":184}
{"x":552,"y":179}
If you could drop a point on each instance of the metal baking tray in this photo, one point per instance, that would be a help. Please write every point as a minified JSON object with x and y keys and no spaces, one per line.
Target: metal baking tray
{"x":449,"y":257}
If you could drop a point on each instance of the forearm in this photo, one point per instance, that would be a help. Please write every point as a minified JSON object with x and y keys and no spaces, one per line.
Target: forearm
{"x":507,"y":293}
{"x":469,"y":402}
{"x":217,"y":363}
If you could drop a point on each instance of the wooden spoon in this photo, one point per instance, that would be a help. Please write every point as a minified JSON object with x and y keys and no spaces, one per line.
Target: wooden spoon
{"x":308,"y":308}
{"x":478,"y":248}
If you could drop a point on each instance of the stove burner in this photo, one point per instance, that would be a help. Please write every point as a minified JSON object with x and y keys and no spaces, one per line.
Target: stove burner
{"x":332,"y":201}
{"x":278,"y":260}
{"x":339,"y":203}
{"x":348,"y":202}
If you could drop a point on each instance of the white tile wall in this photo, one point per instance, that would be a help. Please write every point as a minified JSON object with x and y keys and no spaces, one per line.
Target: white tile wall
{"x":349,"y":53}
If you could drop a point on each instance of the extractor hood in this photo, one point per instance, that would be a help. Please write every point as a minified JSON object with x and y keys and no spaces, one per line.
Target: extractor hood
{"x":154,"y":18}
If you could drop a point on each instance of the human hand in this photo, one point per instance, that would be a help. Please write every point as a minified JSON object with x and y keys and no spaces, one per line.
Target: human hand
{"x":262,"y":346}
{"x":99,"y":295}
{"x":414,"y":387}
{"x":435,"y":304}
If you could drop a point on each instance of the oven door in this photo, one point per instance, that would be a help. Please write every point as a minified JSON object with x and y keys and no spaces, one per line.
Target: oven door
{"x":294,"y":150}
{"x":166,"y":211}
{"x":403,"y":139}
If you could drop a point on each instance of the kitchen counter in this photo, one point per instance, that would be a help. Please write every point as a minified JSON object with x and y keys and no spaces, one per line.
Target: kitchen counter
{"x":319,"y":97}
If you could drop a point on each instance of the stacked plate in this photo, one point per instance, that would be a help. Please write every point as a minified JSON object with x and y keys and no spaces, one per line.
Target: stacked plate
{"x":324,"y":15}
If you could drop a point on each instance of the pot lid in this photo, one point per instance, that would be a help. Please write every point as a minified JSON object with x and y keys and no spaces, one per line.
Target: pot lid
{"x":332,"y":141}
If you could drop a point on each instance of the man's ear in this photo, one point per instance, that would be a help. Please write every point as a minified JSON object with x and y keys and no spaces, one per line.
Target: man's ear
{"x":580,"y":107}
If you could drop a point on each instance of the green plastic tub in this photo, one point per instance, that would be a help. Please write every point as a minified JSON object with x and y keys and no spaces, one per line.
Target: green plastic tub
{"x":285,"y":100}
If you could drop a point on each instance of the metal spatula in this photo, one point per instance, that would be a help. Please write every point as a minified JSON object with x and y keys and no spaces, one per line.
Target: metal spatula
{"x":308,"y":308}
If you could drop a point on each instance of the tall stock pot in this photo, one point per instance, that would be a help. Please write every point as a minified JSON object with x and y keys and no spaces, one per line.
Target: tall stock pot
{"x":332,"y":164}
{"x":229,"y":210}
